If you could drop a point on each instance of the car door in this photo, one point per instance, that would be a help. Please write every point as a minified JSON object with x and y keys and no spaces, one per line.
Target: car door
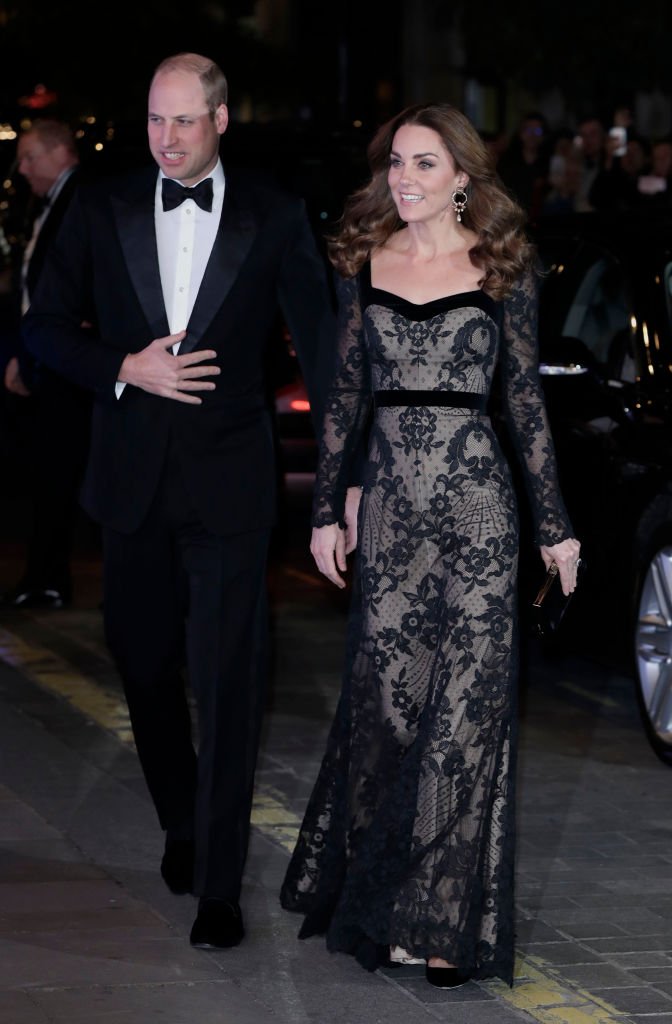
{"x":589,"y":371}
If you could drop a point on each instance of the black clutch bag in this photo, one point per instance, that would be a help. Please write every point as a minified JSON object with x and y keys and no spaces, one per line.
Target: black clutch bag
{"x":550,"y":604}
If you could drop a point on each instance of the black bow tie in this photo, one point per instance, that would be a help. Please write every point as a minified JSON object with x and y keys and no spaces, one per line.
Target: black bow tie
{"x":173,"y":194}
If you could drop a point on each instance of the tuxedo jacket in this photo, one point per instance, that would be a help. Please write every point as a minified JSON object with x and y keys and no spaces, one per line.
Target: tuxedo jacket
{"x":50,"y":227}
{"x":103,"y":268}
{"x":34,"y":377}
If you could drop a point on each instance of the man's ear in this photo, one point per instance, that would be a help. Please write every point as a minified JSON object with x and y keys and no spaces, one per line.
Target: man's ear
{"x":221,"y":118}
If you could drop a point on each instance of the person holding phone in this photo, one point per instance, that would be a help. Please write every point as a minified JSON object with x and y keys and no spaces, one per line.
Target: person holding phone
{"x":627,"y":157}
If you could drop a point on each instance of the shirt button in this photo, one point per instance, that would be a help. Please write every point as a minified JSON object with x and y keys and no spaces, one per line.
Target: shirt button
{"x":181,"y":289}
{"x":185,"y":249}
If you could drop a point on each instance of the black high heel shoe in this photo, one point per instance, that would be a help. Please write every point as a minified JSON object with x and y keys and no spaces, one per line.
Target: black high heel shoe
{"x":446,"y":977}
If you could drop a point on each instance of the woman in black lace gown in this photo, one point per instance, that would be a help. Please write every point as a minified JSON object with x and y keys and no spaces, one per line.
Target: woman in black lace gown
{"x":406,"y":849}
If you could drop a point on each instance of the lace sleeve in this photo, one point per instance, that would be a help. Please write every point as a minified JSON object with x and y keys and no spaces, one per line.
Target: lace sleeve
{"x":346,"y":408}
{"x":525,"y":412}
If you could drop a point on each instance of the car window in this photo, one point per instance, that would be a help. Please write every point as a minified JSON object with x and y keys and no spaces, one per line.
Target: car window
{"x":585,"y":295}
{"x":600,"y":315}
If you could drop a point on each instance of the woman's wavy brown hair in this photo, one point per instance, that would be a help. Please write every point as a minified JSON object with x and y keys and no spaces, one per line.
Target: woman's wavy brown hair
{"x":370,"y":216}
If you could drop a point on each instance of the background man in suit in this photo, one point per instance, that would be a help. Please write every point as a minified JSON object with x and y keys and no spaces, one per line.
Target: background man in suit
{"x":52,"y":414}
{"x":183,"y":286}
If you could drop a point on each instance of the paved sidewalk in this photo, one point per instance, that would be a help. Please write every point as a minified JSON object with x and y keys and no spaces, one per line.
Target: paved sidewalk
{"x":88,"y":931}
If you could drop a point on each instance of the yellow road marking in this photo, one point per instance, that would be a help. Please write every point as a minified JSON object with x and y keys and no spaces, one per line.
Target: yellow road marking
{"x":539,"y":989}
{"x":59,"y":676}
{"x":545,"y":996}
{"x":607,"y":702}
{"x":272,"y":816}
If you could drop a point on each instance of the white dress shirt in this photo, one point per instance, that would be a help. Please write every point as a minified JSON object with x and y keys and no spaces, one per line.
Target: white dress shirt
{"x":184,"y":238}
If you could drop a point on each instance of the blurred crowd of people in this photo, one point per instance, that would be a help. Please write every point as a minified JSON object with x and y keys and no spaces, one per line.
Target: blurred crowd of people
{"x":609,"y":168}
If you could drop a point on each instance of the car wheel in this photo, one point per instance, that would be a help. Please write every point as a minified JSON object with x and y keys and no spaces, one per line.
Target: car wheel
{"x":653,"y":649}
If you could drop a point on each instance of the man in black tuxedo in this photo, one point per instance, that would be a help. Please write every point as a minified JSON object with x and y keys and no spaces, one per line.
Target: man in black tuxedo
{"x":183,"y":287}
{"x":52,"y":414}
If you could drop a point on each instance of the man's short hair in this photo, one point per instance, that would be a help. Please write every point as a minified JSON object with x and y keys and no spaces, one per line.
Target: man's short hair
{"x":52,"y":133}
{"x":212,"y":77}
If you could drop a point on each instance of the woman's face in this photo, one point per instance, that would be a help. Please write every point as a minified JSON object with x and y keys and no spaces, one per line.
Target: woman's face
{"x":422,"y":175}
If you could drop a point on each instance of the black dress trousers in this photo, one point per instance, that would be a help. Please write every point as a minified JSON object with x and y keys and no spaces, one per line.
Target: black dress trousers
{"x":183,"y":605}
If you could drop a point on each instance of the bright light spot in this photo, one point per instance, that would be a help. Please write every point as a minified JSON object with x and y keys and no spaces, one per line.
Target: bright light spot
{"x":98,"y":146}
{"x":300,"y":405}
{"x":357,"y":124}
{"x":7,"y":133}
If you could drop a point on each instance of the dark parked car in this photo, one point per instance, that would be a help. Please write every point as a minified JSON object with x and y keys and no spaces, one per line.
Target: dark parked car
{"x":606,"y":363}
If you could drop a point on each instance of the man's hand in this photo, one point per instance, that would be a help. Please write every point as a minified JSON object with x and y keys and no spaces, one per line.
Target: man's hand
{"x":157,"y":370}
{"x":14,"y":380}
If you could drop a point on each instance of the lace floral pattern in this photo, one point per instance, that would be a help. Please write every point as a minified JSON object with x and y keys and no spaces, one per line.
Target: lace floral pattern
{"x":408,"y":837}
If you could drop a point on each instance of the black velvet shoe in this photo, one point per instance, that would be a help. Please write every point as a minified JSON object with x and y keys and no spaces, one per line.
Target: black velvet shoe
{"x":446,"y":977}
{"x":219,"y":924}
{"x":177,"y":866}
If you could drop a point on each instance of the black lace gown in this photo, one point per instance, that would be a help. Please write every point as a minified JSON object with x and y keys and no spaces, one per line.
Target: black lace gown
{"x":408,"y":837}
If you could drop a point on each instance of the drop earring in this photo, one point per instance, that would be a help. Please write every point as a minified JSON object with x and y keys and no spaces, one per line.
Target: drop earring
{"x":460,"y":200}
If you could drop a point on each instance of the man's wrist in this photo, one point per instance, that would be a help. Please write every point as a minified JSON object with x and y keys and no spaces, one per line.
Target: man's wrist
{"x":126,"y":370}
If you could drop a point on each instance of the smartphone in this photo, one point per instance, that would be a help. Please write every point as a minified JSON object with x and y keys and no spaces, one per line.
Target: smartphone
{"x":621,"y":135}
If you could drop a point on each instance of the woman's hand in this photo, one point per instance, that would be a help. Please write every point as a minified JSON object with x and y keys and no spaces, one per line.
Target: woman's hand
{"x":353,"y":496}
{"x":330,"y":544}
{"x":566,"y":557}
{"x":327,"y":547}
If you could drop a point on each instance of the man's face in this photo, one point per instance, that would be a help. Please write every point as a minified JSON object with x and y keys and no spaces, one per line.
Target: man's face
{"x":40,"y":166}
{"x":592,"y":138}
{"x":183,"y":136}
{"x":532,"y":131}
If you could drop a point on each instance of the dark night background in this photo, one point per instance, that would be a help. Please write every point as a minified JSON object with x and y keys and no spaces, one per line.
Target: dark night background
{"x":309,"y":82}
{"x":292,"y":59}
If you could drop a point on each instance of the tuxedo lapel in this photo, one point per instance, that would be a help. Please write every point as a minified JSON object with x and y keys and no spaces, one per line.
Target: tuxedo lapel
{"x":237,"y":229}
{"x":135,"y":222}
